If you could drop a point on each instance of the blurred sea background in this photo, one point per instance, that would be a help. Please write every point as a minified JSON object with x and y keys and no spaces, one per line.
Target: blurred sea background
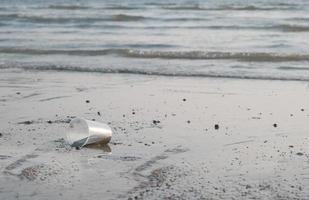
{"x":256,"y":39}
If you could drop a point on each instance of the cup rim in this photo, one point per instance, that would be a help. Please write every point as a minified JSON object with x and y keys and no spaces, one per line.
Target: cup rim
{"x":68,"y":135}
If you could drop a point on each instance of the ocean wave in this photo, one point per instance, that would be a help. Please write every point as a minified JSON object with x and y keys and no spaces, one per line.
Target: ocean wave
{"x":122,"y":7}
{"x":82,"y":7}
{"x":89,"y":22}
{"x":46,"y":19}
{"x":123,"y":17}
{"x":279,"y":27}
{"x":64,"y":68}
{"x":227,"y":8}
{"x":150,"y":54}
{"x":68,"y":7}
{"x":62,"y":20}
{"x":293,"y":68}
{"x":292,"y":28}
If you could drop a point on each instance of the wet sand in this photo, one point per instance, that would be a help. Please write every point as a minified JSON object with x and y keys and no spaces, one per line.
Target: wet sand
{"x":174,"y":137}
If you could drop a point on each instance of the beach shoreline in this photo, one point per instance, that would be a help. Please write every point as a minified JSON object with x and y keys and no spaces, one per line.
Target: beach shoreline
{"x":174,"y":137}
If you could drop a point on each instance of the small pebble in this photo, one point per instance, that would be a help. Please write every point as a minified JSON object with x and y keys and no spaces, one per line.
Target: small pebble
{"x":184,"y":99}
{"x":155,"y":122}
{"x":0,"y":134}
{"x":299,"y":154}
{"x":77,"y":148}
{"x":133,"y":113}
{"x":302,"y":110}
{"x":216,"y":126}
{"x":18,"y":93}
{"x":99,"y":113}
{"x":275,"y":125}
{"x":87,"y":101}
{"x":26,"y":122}
{"x":188,"y":121}
{"x":49,"y":121}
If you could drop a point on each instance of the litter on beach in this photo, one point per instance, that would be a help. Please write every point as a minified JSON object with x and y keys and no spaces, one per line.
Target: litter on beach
{"x":82,"y":132}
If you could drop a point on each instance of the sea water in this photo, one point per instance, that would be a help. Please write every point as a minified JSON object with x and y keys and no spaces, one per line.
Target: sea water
{"x":257,"y":39}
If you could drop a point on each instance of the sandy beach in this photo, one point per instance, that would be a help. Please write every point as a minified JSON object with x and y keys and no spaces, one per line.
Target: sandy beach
{"x":174,"y":137}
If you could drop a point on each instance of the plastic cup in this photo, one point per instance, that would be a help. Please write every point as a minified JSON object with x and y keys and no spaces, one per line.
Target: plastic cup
{"x":82,"y":132}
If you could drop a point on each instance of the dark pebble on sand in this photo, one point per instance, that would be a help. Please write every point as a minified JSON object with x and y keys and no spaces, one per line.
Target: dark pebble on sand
{"x":155,"y":122}
{"x":299,"y":154}
{"x":291,"y":146}
{"x":184,"y":99}
{"x":133,"y":113}
{"x":49,"y":121}
{"x":77,"y":148}
{"x":87,"y":101}
{"x":123,"y":115}
{"x":188,"y":121}
{"x":216,"y":126}
{"x":93,"y":119}
{"x":26,"y":122}
{"x":302,"y":110}
{"x":275,"y":125}
{"x":18,"y":93}
{"x":99,"y":113}
{"x":0,"y":134}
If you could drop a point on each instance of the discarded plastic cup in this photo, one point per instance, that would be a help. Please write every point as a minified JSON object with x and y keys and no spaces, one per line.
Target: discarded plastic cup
{"x":82,"y":132}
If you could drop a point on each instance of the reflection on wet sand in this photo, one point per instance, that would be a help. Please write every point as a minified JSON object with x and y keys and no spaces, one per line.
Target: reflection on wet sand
{"x":100,"y":146}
